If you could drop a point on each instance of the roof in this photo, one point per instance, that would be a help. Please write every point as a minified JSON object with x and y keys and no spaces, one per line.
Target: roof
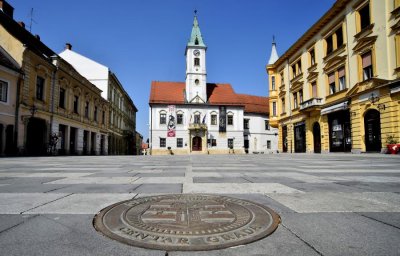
{"x":254,"y":104}
{"x":274,"y":54}
{"x":217,"y":94}
{"x":7,"y":61}
{"x":195,"y":38}
{"x":25,"y":37}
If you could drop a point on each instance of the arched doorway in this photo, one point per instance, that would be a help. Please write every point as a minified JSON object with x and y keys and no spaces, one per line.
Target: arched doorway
{"x":36,"y":137}
{"x":372,"y":125}
{"x":196,"y":143}
{"x":317,"y":137}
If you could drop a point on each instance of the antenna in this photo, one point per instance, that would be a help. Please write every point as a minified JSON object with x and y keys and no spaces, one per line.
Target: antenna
{"x":31,"y":20}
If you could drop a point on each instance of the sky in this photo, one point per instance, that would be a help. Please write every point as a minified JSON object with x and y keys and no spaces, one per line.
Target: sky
{"x":144,"y":40}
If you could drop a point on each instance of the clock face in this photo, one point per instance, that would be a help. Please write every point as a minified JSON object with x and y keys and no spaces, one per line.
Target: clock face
{"x":196,"y":52}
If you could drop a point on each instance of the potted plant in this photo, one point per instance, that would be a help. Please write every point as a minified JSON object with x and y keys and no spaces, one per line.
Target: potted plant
{"x":392,"y":145}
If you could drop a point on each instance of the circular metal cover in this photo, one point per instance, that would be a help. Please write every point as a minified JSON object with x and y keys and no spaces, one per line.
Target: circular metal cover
{"x":188,"y":222}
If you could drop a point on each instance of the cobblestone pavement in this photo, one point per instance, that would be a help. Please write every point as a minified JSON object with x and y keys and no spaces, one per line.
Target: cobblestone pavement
{"x":334,"y":204}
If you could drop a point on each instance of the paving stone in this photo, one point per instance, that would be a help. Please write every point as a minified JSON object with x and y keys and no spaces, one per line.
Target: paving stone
{"x":80,"y":204}
{"x":388,"y":218}
{"x":31,"y":188}
{"x":158,"y":188}
{"x":94,"y":188}
{"x":8,"y":221}
{"x":219,"y":180}
{"x":373,"y":186}
{"x":23,"y":180}
{"x":344,"y":233}
{"x":238,"y":188}
{"x":63,"y":235}
{"x":15,"y":203}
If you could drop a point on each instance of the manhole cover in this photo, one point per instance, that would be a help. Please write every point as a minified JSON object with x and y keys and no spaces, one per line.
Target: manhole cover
{"x":187,"y":222}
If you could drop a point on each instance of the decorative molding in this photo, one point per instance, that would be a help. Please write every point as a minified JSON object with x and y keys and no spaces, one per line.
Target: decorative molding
{"x":364,"y":44}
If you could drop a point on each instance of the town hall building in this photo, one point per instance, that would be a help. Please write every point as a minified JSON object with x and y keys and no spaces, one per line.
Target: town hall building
{"x":207,"y":118}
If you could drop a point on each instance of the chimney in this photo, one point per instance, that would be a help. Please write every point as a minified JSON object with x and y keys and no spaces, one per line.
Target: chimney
{"x":22,"y":24}
{"x":37,"y":37}
{"x":68,"y":46}
{"x":7,"y":8}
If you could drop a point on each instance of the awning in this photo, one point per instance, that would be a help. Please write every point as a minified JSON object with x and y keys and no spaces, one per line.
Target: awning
{"x":334,"y":108}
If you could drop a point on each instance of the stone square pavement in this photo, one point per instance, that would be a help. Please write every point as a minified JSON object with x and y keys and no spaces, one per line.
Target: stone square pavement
{"x":333,"y":204}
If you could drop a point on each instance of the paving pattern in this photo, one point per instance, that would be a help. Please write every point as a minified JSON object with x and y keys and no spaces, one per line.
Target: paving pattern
{"x":335,"y":204}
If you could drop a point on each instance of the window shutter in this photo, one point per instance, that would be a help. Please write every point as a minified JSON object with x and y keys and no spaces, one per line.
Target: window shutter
{"x":341,"y":72}
{"x":366,"y":60}
{"x":331,"y":78}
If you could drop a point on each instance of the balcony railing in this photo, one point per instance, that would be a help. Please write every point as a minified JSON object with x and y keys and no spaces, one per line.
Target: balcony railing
{"x":197,"y":126}
{"x":313,"y":102}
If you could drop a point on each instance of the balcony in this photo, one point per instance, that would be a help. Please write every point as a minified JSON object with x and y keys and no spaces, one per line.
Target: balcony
{"x":197,"y":126}
{"x":311,"y":104}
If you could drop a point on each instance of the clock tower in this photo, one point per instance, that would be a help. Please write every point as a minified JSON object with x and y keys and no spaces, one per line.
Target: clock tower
{"x":196,"y":75}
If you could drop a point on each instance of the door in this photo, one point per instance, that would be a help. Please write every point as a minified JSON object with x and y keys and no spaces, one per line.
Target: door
{"x":196,"y":145}
{"x":36,"y":137}
{"x":246,"y":146}
{"x":300,"y":138}
{"x":372,"y":125}
{"x":317,"y":138}
{"x":284,"y":139}
{"x":72,"y":141}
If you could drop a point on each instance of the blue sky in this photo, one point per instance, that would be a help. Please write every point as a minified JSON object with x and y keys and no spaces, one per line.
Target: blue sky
{"x":144,"y":40}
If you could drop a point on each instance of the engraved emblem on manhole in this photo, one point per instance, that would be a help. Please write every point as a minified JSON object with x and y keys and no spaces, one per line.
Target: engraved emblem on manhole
{"x":186,"y":222}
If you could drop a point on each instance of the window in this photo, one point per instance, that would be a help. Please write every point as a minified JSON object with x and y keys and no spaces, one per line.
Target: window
{"x":230,"y":143}
{"x":61,"y":102}
{"x":87,"y":109}
{"x":103,"y":117}
{"x":301,"y":96}
{"x":213,"y":119}
{"x":3,"y":91}
{"x":295,"y":105}
{"x":76,"y":104}
{"x":163,"y":118}
{"x":179,"y":142}
{"x":179,"y":119}
{"x":212,"y":142}
{"x":273,"y":108}
{"x":296,"y":68}
{"x":273,"y":83}
{"x":197,"y":61}
{"x":334,"y":41}
{"x":312,"y":56}
{"x":230,"y":119}
{"x":282,"y":79}
{"x":283,"y":105}
{"x":163,"y":142}
{"x":268,"y":144}
{"x":196,"y":82}
{"x":331,"y":81}
{"x":314,"y":90}
{"x":39,"y":88}
{"x":339,"y":37}
{"x":95,"y":114}
{"x":364,"y":15}
{"x":266,"y":123}
{"x":246,"y":123}
{"x":367,"y":66}
{"x":342,"y":79}
{"x":329,"y":44}
{"x":197,"y":118}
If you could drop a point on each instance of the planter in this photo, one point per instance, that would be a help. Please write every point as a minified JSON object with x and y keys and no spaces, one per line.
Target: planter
{"x":393,"y":148}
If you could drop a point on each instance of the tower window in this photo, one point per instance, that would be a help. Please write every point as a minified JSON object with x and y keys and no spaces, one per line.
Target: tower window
{"x":197,"y":81}
{"x":196,"y":41}
{"x":197,"y":61}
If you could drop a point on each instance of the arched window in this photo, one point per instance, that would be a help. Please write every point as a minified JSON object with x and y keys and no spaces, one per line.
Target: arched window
{"x":163,"y":117}
{"x":197,"y":61}
{"x":230,"y":118}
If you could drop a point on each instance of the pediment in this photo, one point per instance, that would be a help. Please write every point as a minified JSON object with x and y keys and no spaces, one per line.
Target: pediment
{"x":197,"y":99}
{"x":365,"y":86}
{"x":312,"y":76}
{"x":334,"y":63}
{"x":364,"y":44}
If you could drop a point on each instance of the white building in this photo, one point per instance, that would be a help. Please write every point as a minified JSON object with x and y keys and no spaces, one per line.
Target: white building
{"x":122,"y":116}
{"x":196,"y":116}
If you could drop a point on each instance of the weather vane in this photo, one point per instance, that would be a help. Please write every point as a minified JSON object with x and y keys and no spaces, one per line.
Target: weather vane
{"x":195,"y":12}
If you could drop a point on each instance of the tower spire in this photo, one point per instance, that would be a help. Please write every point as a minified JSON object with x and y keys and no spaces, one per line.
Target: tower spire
{"x":274,"y":54}
{"x":195,"y":38}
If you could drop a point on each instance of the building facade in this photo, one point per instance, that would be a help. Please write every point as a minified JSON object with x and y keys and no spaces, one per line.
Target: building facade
{"x":56,"y":110}
{"x":337,"y":88}
{"x":122,"y":110}
{"x":199,"y":117}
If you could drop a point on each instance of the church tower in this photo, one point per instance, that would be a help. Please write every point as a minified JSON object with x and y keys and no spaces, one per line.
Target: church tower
{"x":196,"y":74}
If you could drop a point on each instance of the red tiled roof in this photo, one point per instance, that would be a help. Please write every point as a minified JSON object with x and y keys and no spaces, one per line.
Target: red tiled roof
{"x":173,"y":93}
{"x":254,"y":104}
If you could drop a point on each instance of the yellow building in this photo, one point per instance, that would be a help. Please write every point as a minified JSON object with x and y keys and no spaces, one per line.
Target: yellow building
{"x":337,"y":88}
{"x":53,"y":108}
